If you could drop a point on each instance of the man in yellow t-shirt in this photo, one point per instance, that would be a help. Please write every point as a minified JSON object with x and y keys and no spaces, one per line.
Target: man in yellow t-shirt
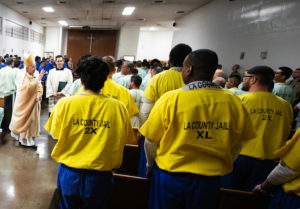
{"x":199,"y":129}
{"x":92,"y":130}
{"x":285,"y":174}
{"x":115,"y":90}
{"x":159,"y":84}
{"x":272,"y":117}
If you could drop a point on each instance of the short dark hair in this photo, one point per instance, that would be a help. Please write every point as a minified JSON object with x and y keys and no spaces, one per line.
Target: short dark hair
{"x":178,"y":54}
{"x":264,"y":74}
{"x":59,"y":56}
{"x":286,"y":71}
{"x":154,"y":61}
{"x":17,"y":63}
{"x":236,"y":79}
{"x":139,"y":63}
{"x":137,"y":80}
{"x":93,"y":72}
{"x":9,"y":61}
{"x":110,"y":60}
{"x":204,"y":61}
{"x":157,"y":68}
{"x":119,"y":63}
{"x":145,"y":63}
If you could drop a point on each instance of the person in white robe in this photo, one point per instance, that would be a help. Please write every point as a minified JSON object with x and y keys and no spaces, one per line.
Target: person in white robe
{"x":25,"y":122}
{"x":59,"y":82}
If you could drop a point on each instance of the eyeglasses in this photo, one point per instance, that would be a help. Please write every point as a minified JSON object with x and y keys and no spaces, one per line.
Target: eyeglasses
{"x":248,"y":76}
{"x":278,"y":73}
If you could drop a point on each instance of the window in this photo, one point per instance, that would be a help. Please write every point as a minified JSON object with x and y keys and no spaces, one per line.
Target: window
{"x":36,"y":37}
{"x":16,"y":31}
{"x":0,"y":25}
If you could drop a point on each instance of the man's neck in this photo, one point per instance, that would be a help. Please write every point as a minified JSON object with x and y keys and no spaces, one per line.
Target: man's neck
{"x":259,"y":88}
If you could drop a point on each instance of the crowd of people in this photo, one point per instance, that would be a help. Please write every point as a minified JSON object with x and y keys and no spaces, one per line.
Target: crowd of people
{"x":198,"y":129}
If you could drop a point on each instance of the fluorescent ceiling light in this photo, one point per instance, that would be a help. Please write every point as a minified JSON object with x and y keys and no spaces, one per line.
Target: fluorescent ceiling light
{"x":48,"y":9}
{"x":75,"y":26}
{"x":63,"y":22}
{"x":128,"y":11}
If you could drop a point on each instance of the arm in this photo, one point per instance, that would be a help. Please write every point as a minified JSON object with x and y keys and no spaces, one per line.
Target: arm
{"x":49,"y":90}
{"x":150,"y":151}
{"x":145,"y":110}
{"x":281,"y":174}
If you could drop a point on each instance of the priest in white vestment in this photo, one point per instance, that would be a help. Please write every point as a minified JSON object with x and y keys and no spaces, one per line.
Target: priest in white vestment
{"x":25,"y":121}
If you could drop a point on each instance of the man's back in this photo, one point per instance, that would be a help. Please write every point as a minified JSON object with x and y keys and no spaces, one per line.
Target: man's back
{"x":204,"y":125}
{"x":120,"y":93}
{"x":272,"y":117}
{"x":163,"y":82}
{"x":85,"y":126}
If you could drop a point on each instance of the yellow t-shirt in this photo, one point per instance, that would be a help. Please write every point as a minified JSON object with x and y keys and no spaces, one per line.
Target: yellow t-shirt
{"x":196,"y":130}
{"x":291,"y":157}
{"x":92,"y":130}
{"x":120,"y":93}
{"x":272,"y":118}
{"x":163,"y":82}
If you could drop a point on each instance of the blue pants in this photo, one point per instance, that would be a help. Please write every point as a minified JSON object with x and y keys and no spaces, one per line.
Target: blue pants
{"x":247,"y":173}
{"x":143,"y":160}
{"x":282,"y":200}
{"x":183,"y":190}
{"x":84,"y":189}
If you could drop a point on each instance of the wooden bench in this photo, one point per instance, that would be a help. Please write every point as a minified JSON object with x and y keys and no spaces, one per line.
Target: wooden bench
{"x":131,"y":158}
{"x":129,"y":192}
{"x":235,"y":199}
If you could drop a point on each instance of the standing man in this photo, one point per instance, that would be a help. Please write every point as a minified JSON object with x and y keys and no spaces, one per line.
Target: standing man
{"x":92,"y":130}
{"x":199,"y":129}
{"x":272,"y":118}
{"x":295,"y":83}
{"x":166,"y":81}
{"x":25,"y":122}
{"x":8,"y":89}
{"x":281,"y":88}
{"x":58,"y":82}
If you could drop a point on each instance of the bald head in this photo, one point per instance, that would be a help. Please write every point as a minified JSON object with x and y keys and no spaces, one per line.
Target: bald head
{"x":199,"y":65}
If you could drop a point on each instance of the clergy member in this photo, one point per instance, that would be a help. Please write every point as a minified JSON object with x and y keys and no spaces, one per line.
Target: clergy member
{"x":25,"y":122}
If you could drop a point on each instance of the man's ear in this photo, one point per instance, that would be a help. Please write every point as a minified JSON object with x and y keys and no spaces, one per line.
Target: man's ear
{"x":189,"y":70}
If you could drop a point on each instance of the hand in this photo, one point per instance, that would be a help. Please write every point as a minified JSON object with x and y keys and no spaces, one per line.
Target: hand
{"x":42,"y":73}
{"x":149,"y":172}
{"x":257,"y":188}
{"x":38,"y":99}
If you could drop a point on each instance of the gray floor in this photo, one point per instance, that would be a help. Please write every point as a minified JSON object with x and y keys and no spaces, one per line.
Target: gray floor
{"x":27,"y":176}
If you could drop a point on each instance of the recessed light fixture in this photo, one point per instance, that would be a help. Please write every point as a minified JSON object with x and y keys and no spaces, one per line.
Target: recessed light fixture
{"x":20,"y":2}
{"x":63,"y":22}
{"x":158,"y":1}
{"x":24,"y":12}
{"x":180,"y":12}
{"x":128,"y":11}
{"x":48,"y":9}
{"x":108,"y":2}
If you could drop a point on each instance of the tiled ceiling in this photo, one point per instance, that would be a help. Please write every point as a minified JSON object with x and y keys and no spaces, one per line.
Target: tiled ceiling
{"x":105,"y":13}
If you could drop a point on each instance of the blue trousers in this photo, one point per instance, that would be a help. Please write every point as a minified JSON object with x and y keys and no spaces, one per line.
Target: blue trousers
{"x":282,"y":200}
{"x":247,"y":173}
{"x":143,"y":160}
{"x":183,"y":191}
{"x":84,"y":189}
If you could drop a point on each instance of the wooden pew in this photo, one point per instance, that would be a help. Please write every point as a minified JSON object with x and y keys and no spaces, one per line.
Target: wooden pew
{"x":129,"y":192}
{"x":131,"y":158}
{"x":235,"y":199}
